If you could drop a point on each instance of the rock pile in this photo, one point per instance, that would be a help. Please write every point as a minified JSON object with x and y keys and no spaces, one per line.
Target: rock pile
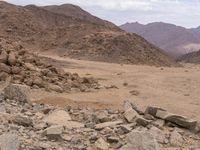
{"x":31,"y":126}
{"x":30,"y":69}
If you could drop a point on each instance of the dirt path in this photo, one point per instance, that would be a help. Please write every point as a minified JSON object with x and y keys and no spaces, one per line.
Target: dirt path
{"x":175,"y":89}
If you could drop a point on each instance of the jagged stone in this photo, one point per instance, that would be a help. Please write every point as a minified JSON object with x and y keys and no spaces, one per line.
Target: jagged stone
{"x":12,"y":59}
{"x":53,"y":132}
{"x":130,"y":115}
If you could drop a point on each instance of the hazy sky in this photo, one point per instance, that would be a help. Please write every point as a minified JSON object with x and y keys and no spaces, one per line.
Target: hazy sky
{"x":180,"y":12}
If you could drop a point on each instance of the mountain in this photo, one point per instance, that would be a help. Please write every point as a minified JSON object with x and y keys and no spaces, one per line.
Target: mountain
{"x":76,"y":12}
{"x":193,"y":57}
{"x":67,"y":30}
{"x":172,"y":39}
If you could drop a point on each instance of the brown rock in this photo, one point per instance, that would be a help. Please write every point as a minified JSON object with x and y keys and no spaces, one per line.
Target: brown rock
{"x":3,"y":57}
{"x":12,"y":59}
{"x":5,"y":68}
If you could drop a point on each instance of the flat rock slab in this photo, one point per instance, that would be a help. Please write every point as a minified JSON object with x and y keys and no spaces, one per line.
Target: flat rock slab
{"x":107,"y":124}
{"x":62,"y":118}
{"x":59,"y":117}
{"x":9,"y":142}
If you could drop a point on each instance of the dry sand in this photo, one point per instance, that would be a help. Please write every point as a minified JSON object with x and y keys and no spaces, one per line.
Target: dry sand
{"x":175,"y":89}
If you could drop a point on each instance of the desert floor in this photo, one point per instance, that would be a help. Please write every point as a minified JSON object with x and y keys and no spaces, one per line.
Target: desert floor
{"x":174,"y":89}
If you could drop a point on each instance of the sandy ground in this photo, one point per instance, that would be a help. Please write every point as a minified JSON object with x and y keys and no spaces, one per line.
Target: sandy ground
{"x":175,"y":89}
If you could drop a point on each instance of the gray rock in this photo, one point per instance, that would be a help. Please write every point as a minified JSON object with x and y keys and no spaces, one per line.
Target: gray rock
{"x":100,"y":144}
{"x":177,"y":119}
{"x":140,"y":140}
{"x":53,"y":132}
{"x":17,"y":93}
{"x":9,"y":141}
{"x":158,"y":134}
{"x":141,"y":121}
{"x":176,"y":139}
{"x":130,"y":115}
{"x":21,"y":120}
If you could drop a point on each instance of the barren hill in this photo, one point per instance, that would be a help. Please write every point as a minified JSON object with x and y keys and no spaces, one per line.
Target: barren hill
{"x":193,"y":57}
{"x":79,"y":36}
{"x":174,"y":40}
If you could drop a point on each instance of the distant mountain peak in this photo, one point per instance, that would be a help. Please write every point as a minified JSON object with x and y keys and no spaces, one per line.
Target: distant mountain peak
{"x":174,"y":40}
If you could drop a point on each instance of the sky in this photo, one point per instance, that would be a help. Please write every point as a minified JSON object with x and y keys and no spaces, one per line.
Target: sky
{"x":180,"y":12}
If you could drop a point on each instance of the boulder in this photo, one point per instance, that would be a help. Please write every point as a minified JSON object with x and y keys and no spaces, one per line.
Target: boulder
{"x":177,"y":119}
{"x":16,"y":92}
{"x":158,"y":134}
{"x":141,"y":121}
{"x":53,"y":118}
{"x":9,"y":141}
{"x":3,"y":76}
{"x":3,"y":57}
{"x":12,"y":59}
{"x":21,"y":120}
{"x":53,"y":132}
{"x":55,"y":88}
{"x":5,"y":68}
{"x":100,"y":144}
{"x":152,"y":110}
{"x":140,"y":140}
{"x":130,"y":115}
{"x":176,"y":140}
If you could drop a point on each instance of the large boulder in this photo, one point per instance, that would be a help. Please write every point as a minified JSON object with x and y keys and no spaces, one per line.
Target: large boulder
{"x":140,"y":140}
{"x":9,"y":141}
{"x":16,"y":92}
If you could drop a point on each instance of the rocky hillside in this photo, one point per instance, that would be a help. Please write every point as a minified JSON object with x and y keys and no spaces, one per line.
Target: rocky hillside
{"x":22,"y":67}
{"x":31,"y":126}
{"x":193,"y":57}
{"x":174,"y":40}
{"x":77,"y":34}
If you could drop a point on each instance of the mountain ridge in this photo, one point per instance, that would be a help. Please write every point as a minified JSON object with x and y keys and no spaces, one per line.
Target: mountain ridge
{"x":172,"y":39}
{"x":39,"y":29}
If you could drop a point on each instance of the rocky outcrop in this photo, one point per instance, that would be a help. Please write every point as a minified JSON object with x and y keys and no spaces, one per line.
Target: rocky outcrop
{"x":36,"y":72}
{"x":31,"y":126}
